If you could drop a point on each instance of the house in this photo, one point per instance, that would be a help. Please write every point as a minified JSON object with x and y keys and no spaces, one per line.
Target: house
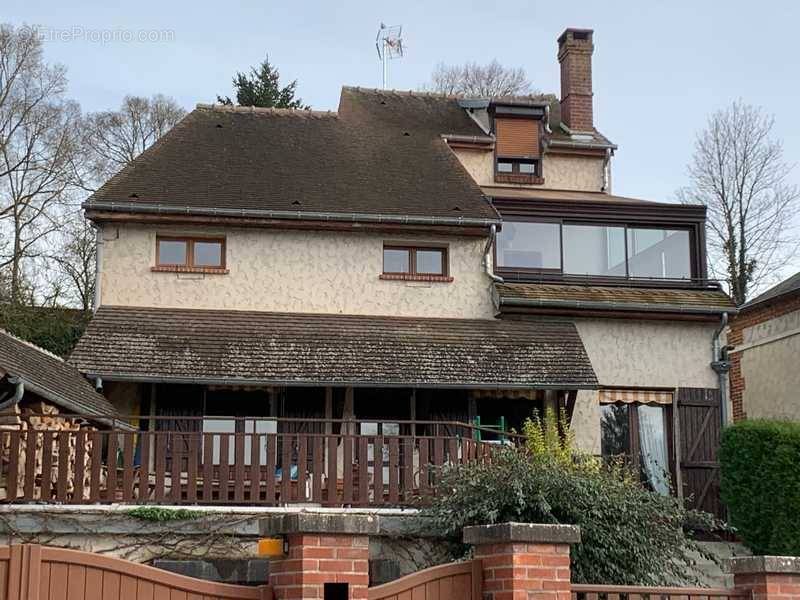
{"x":289,"y":300}
{"x":764,"y":341}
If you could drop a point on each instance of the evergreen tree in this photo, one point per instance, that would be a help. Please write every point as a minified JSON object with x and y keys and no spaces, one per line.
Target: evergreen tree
{"x":261,"y":87}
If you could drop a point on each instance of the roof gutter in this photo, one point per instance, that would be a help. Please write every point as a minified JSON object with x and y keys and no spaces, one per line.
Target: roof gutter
{"x":77,"y":409}
{"x":581,"y":145}
{"x":618,"y":306}
{"x":473,"y":140}
{"x":358,"y":384}
{"x":138,"y":207}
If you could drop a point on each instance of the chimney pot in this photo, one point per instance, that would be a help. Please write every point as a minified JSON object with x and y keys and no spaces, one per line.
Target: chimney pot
{"x":575,"y":48}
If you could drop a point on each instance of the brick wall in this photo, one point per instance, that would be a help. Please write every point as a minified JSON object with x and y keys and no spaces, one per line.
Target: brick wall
{"x":524,"y":561}
{"x":314,"y":560}
{"x":749,"y":317}
{"x":575,"y":50}
{"x":521,"y":571}
{"x":767,"y":577}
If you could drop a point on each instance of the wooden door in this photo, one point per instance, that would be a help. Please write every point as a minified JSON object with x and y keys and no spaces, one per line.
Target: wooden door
{"x":699,"y":430}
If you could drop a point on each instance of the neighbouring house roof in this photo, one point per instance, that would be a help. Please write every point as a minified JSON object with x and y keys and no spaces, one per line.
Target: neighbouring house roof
{"x":50,"y":377}
{"x":381,"y":154}
{"x":611,"y":298}
{"x":177,"y":345}
{"x":784,"y":288}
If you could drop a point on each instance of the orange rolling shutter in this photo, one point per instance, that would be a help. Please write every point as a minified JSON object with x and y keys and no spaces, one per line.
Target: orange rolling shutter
{"x":517,"y":137}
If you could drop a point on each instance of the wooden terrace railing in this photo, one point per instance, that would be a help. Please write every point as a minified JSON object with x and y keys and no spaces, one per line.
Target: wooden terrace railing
{"x":238,"y":460}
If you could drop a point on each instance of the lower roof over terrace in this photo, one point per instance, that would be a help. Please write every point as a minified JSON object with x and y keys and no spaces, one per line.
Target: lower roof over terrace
{"x":241,"y":347}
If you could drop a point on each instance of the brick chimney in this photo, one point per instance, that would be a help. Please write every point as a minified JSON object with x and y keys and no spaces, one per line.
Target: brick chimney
{"x":575,"y":50}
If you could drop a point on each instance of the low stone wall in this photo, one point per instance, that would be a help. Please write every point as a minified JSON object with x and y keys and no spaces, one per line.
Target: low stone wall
{"x":218,"y":545}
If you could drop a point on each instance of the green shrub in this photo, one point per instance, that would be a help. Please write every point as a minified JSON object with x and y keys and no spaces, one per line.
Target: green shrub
{"x":54,"y":329}
{"x":629,"y":536}
{"x":760,"y":462}
{"x":550,"y":437}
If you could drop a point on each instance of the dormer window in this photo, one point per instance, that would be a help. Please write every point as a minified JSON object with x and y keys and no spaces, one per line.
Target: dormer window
{"x":517,"y":150}
{"x":525,"y":167}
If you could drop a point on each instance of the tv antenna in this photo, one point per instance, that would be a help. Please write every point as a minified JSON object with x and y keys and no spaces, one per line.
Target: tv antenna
{"x":389,"y":44}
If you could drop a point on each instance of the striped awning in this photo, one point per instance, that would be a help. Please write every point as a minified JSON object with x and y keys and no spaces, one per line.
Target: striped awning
{"x":613,"y":396}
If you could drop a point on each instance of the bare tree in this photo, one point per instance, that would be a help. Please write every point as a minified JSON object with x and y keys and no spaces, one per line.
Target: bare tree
{"x":38,"y":144}
{"x":75,"y":263}
{"x":482,"y":81}
{"x":119,"y":136}
{"x":738,"y":171}
{"x":26,"y":83}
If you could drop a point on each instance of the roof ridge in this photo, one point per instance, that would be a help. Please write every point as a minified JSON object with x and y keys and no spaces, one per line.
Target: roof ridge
{"x":298,"y":112}
{"x":32,"y":345}
{"x":432,"y":94}
{"x":412,"y":93}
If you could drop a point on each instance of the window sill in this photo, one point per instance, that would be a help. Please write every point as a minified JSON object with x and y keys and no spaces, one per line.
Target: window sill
{"x":408,"y":277}
{"x":515,"y":178}
{"x":203,"y":270}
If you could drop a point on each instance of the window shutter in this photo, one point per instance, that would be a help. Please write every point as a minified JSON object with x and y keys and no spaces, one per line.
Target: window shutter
{"x":517,"y":138}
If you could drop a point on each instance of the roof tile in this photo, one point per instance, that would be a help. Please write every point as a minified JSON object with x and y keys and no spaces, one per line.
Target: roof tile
{"x":636,"y":298}
{"x":285,"y":348}
{"x":54,"y":379}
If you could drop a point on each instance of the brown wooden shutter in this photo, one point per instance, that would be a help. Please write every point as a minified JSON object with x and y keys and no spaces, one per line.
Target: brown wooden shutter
{"x":699,"y":430}
{"x":517,"y":137}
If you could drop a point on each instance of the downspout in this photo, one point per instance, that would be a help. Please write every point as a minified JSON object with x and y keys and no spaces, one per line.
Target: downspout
{"x":721,"y":366}
{"x":606,"y":163}
{"x":487,"y":265}
{"x":19,"y":392}
{"x":98,"y":263}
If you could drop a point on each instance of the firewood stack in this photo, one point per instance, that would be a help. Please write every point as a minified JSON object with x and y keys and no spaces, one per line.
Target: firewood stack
{"x":38,"y":420}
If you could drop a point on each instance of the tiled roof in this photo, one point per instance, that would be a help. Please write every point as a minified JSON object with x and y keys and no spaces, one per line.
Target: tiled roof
{"x":381,"y":154}
{"x":47,"y":375}
{"x":593,"y":297}
{"x":787,"y":286}
{"x":281,"y":348}
{"x":518,"y":193}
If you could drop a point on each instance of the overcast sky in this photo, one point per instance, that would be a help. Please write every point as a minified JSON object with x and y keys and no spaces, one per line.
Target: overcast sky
{"x":659,"y":68}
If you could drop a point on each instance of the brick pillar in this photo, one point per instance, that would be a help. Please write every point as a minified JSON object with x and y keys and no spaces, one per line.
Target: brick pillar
{"x":767,"y":577}
{"x":523,"y":561}
{"x":323,"y":549}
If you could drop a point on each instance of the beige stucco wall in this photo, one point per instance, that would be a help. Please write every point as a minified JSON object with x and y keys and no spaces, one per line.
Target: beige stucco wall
{"x":769,"y":362}
{"x":560,"y":172}
{"x":301,"y":271}
{"x":645,"y":354}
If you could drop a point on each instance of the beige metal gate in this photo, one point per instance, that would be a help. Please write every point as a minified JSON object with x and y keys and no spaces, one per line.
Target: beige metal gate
{"x":33,"y":572}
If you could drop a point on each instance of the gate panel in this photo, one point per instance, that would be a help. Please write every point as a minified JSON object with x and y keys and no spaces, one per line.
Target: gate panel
{"x":32,"y":572}
{"x":699,"y":422}
{"x":454,"y":581}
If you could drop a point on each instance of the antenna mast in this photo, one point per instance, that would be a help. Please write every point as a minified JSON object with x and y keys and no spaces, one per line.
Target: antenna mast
{"x":389,"y":44}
